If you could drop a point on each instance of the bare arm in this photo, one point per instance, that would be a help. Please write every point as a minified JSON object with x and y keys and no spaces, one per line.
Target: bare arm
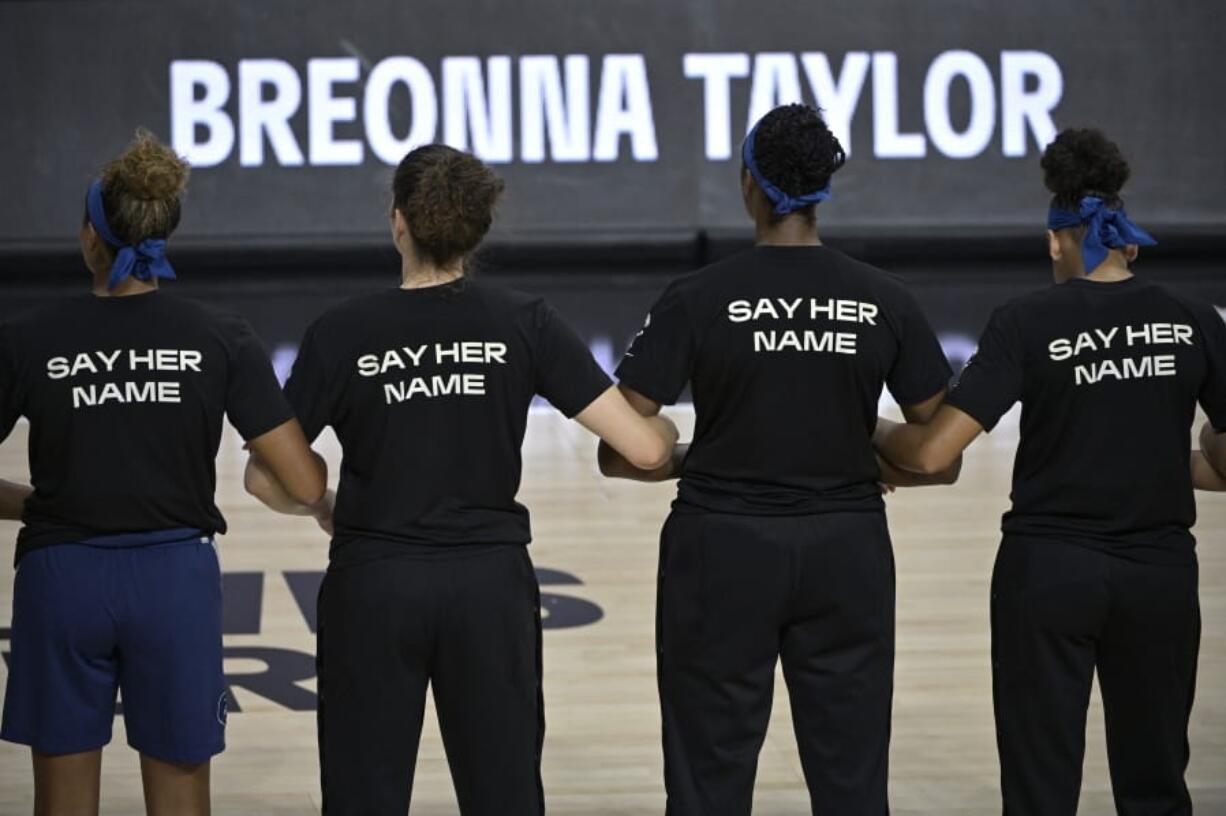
{"x":894,"y":476}
{"x":644,"y":441}
{"x":260,"y":482}
{"x":13,"y":499}
{"x":614,"y":465}
{"x":284,"y":472}
{"x":929,"y":448}
{"x":1204,"y":475}
{"x":924,"y":411}
{"x":1213,"y":446}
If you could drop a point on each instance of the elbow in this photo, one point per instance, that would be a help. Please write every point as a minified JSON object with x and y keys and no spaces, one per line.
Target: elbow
{"x":254,"y":481}
{"x":1216,"y":461}
{"x":950,"y":474}
{"x":653,"y":456}
{"x":311,"y":490}
{"x":310,"y":494}
{"x":930,"y":462}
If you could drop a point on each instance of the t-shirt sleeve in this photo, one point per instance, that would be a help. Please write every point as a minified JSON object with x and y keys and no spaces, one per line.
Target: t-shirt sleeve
{"x":307,"y":388}
{"x":660,"y":359}
{"x":11,"y":391}
{"x":566,"y":373}
{"x":920,"y":369}
{"x":992,"y":379}
{"x":1212,"y":395}
{"x":254,"y":401}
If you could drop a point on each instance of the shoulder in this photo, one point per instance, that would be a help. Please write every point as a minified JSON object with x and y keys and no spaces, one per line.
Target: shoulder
{"x":497,"y":297}
{"x":341,"y":319}
{"x":51,"y":312}
{"x":887,"y":288}
{"x":714,"y":274}
{"x":1202,"y":311}
{"x":1037,"y":301}
{"x":866,"y":272}
{"x":31,"y":319}
{"x":228,"y":326}
{"x":692,"y":287}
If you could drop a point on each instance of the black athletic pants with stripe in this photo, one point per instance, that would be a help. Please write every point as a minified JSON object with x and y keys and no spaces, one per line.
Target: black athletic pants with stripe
{"x":1060,"y":611}
{"x":738,"y":594}
{"x":466,"y":621}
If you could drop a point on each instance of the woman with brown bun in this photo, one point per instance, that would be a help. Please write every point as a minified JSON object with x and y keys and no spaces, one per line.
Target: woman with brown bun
{"x":428,"y":387}
{"x":118,"y":585}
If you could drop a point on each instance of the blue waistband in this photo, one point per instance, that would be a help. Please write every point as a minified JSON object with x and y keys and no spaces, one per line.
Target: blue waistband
{"x":146,"y":539}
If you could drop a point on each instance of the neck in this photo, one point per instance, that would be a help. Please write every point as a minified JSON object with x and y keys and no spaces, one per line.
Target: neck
{"x":1109,"y":274}
{"x":126,"y":287}
{"x":793,"y":230}
{"x":415,"y":274}
{"x":1115,"y":268}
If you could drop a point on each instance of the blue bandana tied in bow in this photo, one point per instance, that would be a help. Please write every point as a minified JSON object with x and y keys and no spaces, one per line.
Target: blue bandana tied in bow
{"x":1106,"y":228}
{"x":145,"y":261}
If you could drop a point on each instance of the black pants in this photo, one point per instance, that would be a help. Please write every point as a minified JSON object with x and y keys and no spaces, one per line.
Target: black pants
{"x":736,"y":593}
{"x":1060,"y":611}
{"x":467,"y":622}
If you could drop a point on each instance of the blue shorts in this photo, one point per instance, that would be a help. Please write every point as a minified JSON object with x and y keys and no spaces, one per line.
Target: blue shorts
{"x":89,"y":620}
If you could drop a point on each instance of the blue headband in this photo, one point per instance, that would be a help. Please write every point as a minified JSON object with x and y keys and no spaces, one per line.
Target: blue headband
{"x":1106,"y":227}
{"x":145,"y":261}
{"x":783,"y":202}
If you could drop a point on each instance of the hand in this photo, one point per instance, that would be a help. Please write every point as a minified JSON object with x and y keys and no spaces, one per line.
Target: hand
{"x":322,"y":511}
{"x":886,"y":488}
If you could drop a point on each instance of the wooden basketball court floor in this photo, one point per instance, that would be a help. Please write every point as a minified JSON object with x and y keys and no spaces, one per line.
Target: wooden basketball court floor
{"x":602,"y":743}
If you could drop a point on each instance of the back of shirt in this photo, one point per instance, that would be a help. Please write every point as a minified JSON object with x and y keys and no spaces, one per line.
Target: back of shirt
{"x":125,"y":398}
{"x":1108,"y":375}
{"x":428,"y":391}
{"x":786,"y":350}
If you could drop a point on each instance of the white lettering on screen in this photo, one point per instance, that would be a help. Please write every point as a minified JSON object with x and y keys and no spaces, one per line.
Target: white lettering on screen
{"x":473,"y":100}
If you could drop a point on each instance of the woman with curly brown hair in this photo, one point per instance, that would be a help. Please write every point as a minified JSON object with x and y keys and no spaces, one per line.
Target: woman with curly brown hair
{"x":1097,"y":569}
{"x":429,"y":582}
{"x":118,"y":585}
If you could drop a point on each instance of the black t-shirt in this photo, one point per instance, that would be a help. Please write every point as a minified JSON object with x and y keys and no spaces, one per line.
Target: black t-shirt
{"x":786,"y":350}
{"x":125,"y":398}
{"x":428,"y":391}
{"x":1108,"y":375}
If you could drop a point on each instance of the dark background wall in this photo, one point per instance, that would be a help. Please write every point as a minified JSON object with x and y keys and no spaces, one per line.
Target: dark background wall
{"x":616,"y":126}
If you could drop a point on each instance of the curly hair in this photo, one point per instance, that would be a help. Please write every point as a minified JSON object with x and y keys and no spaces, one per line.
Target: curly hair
{"x":447,"y":198}
{"x":795,"y":151}
{"x":142,"y":190}
{"x":1083,"y":162}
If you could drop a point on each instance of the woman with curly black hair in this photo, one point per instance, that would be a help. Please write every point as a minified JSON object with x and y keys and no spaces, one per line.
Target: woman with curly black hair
{"x":777,"y":547}
{"x":1097,"y":569}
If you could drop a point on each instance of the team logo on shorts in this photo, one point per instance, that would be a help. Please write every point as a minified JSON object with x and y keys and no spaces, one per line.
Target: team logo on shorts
{"x":223,"y":706}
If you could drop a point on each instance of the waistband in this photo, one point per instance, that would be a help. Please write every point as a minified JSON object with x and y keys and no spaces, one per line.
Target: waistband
{"x":148,"y":538}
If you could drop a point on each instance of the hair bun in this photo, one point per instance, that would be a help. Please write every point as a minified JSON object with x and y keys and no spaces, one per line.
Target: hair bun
{"x":796,"y":151}
{"x":148,"y":170}
{"x":1081,"y":162}
{"x":142,"y":189}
